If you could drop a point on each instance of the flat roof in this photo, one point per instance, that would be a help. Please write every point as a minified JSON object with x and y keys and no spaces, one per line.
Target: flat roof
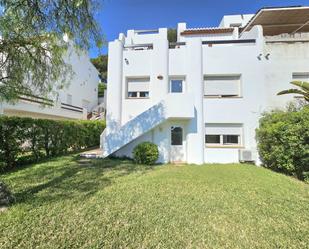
{"x":281,"y":20}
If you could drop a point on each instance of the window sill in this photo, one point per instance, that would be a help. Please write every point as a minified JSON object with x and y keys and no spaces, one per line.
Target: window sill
{"x":225,"y":146}
{"x":219,"y":97}
{"x":139,"y":98}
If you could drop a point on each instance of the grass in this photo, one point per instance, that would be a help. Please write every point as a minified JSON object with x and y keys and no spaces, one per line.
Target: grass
{"x":72,"y":203}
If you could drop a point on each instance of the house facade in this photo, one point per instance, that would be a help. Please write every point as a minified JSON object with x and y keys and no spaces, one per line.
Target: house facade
{"x":75,"y":101}
{"x":200,"y":99}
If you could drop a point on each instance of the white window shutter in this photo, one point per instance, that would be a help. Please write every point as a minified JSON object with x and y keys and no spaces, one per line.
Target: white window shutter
{"x":222,"y":85}
{"x":138,"y":85}
{"x":223,"y":129}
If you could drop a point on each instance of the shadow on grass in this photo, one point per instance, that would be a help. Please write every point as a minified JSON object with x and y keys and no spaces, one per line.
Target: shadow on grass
{"x":79,"y":178}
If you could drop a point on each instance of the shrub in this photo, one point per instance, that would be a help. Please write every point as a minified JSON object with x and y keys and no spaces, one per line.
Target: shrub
{"x":283,"y":142}
{"x":26,"y":140}
{"x":146,"y":153}
{"x":6,"y":197}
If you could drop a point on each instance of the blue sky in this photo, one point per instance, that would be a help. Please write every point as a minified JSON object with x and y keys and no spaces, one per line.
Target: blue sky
{"x":118,"y":16}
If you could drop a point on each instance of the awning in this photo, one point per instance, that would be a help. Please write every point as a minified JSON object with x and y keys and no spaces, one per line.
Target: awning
{"x":277,"y":21}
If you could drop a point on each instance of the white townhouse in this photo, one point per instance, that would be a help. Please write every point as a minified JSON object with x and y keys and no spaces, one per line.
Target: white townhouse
{"x":75,"y":101}
{"x":200,"y":99}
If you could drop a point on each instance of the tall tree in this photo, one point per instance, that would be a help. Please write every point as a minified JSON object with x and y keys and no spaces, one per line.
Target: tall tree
{"x":101,"y":65}
{"x":32,"y":47}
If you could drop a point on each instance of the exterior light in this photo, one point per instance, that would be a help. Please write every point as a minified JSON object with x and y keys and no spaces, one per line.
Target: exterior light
{"x":126,"y":61}
{"x":259,"y":56}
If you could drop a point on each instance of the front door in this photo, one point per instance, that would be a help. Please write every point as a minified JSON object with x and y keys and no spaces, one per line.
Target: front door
{"x":177,"y":153}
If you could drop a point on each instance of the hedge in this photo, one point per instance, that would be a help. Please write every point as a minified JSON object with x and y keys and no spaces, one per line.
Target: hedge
{"x":26,"y":140}
{"x":283,"y":142}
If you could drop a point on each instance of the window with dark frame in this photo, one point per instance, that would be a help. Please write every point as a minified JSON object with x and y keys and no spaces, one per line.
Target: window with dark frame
{"x":212,"y":139}
{"x":231,"y":139}
{"x":223,"y":134}
{"x":176,"y":136}
{"x":143,"y":94}
{"x":132,"y":94}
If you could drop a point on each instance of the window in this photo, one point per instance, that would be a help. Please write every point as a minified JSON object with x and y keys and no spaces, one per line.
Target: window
{"x":132,"y":94}
{"x":176,"y":135}
{"x":138,"y":87}
{"x":230,"y":139}
{"x":176,"y":86}
{"x":222,"y":86}
{"x":143,"y":94}
{"x":212,"y":139}
{"x":223,"y":134}
{"x":304,"y":76}
{"x":69,"y":99}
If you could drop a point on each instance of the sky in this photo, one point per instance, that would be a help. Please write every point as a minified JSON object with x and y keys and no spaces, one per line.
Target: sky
{"x":117,"y":16}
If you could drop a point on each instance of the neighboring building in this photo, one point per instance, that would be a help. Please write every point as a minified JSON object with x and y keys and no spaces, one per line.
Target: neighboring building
{"x":201,"y":98}
{"x":75,"y":101}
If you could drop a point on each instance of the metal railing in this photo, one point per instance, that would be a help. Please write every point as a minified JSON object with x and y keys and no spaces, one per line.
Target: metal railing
{"x":36,"y":99}
{"x":239,"y":41}
{"x":72,"y":108}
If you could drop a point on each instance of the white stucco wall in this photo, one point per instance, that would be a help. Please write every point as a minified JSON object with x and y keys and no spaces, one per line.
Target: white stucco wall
{"x":84,"y":84}
{"x":83,"y":87}
{"x":227,"y":20}
{"x":264,"y":68}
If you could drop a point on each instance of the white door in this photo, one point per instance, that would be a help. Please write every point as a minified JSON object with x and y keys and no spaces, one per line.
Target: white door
{"x":177,"y":153}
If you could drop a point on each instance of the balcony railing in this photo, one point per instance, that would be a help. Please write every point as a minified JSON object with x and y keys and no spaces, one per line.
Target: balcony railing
{"x":239,"y":41}
{"x":36,"y":99}
{"x":48,"y":102}
{"x":72,"y":108}
{"x":146,"y":46}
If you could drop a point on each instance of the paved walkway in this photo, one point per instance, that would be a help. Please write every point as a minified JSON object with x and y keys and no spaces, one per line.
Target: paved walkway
{"x":94,"y":153}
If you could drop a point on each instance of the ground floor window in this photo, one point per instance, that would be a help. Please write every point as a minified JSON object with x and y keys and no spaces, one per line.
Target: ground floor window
{"x":223,"y":134}
{"x":176,"y":135}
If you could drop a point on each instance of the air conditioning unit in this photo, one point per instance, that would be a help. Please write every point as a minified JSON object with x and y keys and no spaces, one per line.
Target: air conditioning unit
{"x":246,"y":156}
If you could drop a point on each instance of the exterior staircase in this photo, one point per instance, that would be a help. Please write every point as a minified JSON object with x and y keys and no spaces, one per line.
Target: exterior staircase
{"x":173,"y":106}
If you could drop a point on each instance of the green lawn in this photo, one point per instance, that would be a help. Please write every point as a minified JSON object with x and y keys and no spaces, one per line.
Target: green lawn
{"x":71,"y":203}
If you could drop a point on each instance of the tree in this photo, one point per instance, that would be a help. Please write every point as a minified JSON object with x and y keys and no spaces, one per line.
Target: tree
{"x":172,"y":35}
{"x":101,"y":89}
{"x":101,"y":65}
{"x":32,"y":47}
{"x":303,"y":91}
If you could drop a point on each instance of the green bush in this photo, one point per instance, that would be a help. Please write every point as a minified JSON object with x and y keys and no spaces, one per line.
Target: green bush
{"x":6,"y":197}
{"x":283,"y":142}
{"x":26,"y":140}
{"x":146,"y":153}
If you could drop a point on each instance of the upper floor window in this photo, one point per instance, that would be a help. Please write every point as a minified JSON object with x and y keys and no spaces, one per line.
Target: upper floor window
{"x":223,"y":135}
{"x":177,"y":85}
{"x":138,"y":87}
{"x":222,"y":86}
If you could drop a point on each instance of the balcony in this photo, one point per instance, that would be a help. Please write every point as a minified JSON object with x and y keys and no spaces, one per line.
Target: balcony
{"x":38,"y":107}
